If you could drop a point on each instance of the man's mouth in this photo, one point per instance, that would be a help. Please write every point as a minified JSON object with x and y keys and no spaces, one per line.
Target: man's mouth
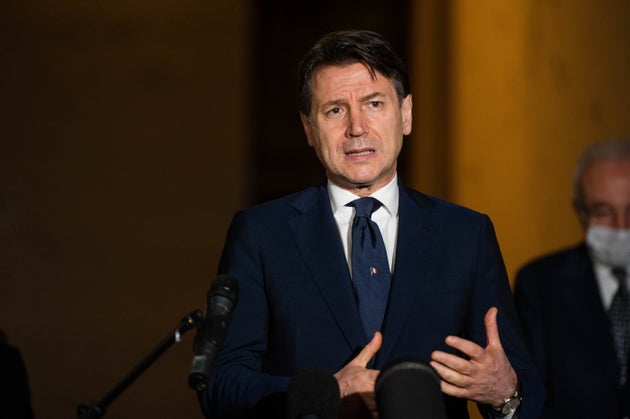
{"x":359,"y":153}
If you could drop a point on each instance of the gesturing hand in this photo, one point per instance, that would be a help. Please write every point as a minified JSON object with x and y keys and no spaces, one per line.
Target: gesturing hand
{"x":354,"y":377}
{"x":486,"y":377}
{"x":356,"y":383}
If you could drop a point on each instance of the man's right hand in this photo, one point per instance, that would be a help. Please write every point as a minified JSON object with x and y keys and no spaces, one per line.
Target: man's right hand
{"x":356,"y":381}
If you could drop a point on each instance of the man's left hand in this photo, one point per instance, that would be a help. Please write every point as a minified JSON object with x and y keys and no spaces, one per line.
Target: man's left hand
{"x":486,"y":377}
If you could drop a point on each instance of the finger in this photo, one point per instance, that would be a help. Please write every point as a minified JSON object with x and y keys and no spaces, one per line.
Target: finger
{"x":369,"y":350}
{"x":465,"y":346}
{"x":492,"y":329}
{"x":449,"y":375}
{"x":451,"y":361}
{"x":453,"y":390}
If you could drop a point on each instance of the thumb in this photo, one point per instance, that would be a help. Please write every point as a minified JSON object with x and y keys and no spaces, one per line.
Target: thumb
{"x":492,"y":330}
{"x":369,"y":350}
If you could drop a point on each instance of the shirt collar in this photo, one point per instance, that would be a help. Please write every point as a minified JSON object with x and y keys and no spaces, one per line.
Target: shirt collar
{"x":605,"y":271}
{"x":387,"y":195}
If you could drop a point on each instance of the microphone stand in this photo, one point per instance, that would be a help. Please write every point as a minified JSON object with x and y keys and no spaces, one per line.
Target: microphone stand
{"x":97,"y":409}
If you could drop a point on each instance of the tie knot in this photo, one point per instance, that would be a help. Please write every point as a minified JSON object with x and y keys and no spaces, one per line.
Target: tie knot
{"x":365,"y":206}
{"x":620,"y":275}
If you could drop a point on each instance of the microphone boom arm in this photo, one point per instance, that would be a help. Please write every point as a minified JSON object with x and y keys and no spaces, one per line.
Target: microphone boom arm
{"x":97,"y":409}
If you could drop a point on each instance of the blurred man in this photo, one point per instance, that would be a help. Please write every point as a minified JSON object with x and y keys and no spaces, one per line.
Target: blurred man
{"x":574,"y":303}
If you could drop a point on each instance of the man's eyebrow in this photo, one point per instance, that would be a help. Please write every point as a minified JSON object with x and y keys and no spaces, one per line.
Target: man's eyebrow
{"x":598,"y":205}
{"x":371,"y":96}
{"x":335,"y":102}
{"x":341,"y":102}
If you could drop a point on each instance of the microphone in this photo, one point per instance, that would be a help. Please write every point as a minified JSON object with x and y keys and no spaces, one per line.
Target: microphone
{"x":409,"y":390}
{"x":221,"y":299}
{"x":313,"y":393}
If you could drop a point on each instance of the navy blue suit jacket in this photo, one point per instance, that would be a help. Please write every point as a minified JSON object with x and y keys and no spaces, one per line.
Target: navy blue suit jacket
{"x":568,"y":331}
{"x":297,"y":309}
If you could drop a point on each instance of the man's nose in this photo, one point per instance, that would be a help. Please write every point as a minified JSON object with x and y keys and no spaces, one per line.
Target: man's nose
{"x":624,"y":223}
{"x":621,"y":221}
{"x":356,"y":125}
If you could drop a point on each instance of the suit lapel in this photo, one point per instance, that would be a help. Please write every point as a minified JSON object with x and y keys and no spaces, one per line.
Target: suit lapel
{"x":580,"y":296}
{"x":317,"y":238}
{"x":413,"y":271}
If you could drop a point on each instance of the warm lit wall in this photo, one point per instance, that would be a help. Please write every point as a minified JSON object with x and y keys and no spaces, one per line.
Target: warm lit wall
{"x":529,"y":85}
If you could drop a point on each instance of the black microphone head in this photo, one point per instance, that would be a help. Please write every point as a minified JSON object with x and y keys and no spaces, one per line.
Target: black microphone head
{"x":409,"y":390}
{"x":221,"y":299}
{"x":224,"y":285}
{"x":313,"y":393}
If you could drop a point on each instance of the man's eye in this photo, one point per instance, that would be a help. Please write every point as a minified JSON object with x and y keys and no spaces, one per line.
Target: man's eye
{"x":601,"y":212}
{"x":375,"y":104}
{"x":334,"y":112}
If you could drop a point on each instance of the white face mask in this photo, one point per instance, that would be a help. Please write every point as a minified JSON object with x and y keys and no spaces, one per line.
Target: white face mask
{"x":609,"y":246}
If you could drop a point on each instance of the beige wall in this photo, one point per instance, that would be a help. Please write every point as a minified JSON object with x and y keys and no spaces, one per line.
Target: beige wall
{"x":529,"y":85}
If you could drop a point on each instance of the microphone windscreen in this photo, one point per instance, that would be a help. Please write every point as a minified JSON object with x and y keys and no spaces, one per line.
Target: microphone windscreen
{"x":224,"y":285}
{"x":313,"y":393}
{"x":409,"y":390}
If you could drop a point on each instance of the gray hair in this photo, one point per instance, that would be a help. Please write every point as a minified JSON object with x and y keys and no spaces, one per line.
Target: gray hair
{"x":613,"y":149}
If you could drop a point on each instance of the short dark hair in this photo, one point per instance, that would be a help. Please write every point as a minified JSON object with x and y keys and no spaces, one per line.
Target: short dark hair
{"x":348,"y":47}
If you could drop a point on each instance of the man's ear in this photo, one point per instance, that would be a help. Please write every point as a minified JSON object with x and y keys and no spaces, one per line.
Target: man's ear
{"x":406,"y":110}
{"x":306,"y":124}
{"x":581,"y":212}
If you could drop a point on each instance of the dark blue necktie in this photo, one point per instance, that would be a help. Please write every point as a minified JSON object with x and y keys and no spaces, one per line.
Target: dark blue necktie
{"x":619,"y":313}
{"x":370,"y":268}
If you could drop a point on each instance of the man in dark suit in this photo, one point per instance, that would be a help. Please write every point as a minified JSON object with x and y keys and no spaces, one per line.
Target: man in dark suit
{"x":567,"y":300}
{"x":447,"y":300}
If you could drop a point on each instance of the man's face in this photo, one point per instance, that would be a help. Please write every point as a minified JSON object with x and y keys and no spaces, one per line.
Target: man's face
{"x":356,"y":126}
{"x":606,"y":186}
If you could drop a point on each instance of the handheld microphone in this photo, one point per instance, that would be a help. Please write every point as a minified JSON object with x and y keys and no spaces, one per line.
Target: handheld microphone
{"x":409,"y":390}
{"x":313,"y":393}
{"x":222,"y":297}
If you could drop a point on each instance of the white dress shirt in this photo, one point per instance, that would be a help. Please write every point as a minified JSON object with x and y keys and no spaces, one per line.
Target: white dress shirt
{"x":386,"y":217}
{"x":607,"y":283}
